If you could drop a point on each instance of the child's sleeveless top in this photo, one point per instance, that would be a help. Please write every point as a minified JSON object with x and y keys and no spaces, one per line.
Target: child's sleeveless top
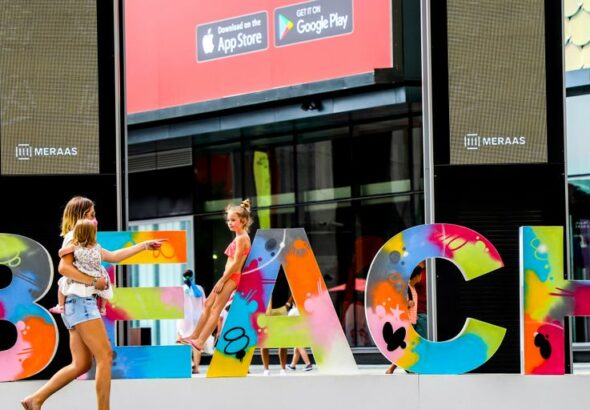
{"x":231,"y":249}
{"x":88,"y":261}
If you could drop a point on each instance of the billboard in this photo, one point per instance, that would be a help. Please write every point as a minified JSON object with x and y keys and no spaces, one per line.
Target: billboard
{"x":182,"y":52}
{"x":497,"y":82}
{"x":49,"y":111}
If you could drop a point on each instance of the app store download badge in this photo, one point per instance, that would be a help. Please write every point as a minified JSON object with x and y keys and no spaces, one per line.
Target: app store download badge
{"x":312,"y":21}
{"x":232,"y":37}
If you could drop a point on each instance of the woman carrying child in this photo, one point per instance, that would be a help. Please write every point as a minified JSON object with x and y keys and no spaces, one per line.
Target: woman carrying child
{"x":88,"y":260}
{"x":88,"y":337}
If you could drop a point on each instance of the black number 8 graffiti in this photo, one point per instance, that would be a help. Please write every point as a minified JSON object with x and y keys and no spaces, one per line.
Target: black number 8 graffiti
{"x":236,"y":336}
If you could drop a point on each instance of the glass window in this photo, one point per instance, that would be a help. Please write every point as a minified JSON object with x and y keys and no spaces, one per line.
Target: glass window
{"x":383,"y":157}
{"x":352,"y":181}
{"x":155,"y":193}
{"x":270,"y":173}
{"x":218,"y":174}
{"x":579,"y":206}
{"x":386,"y":216}
{"x":210,"y":243}
{"x":578,"y":130}
{"x":324,"y":165}
{"x":266,"y":218}
{"x":417,"y":155}
{"x":330,"y":228}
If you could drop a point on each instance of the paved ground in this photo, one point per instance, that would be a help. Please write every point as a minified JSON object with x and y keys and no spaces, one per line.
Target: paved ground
{"x":258,"y":371}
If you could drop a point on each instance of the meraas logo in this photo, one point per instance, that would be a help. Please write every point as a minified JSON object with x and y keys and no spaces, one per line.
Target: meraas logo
{"x":25,"y":152}
{"x":475,"y":141}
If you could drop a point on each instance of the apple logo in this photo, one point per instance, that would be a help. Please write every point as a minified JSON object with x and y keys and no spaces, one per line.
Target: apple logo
{"x":207,"y":42}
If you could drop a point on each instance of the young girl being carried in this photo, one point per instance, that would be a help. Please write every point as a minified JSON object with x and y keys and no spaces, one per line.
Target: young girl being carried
{"x":238,"y":220}
{"x":88,"y":260}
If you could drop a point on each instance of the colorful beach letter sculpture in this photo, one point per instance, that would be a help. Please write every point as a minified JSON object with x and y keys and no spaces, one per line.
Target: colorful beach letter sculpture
{"x":30,"y":268}
{"x":156,"y":303}
{"x":386,"y":299}
{"x":247,"y":325}
{"x":547,"y":298}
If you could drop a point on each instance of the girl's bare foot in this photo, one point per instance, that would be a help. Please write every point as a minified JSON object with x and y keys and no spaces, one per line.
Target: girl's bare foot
{"x":29,"y":404}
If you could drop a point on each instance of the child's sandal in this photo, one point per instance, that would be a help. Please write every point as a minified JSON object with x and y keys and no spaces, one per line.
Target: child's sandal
{"x":57,"y":309}
{"x":193,"y":344}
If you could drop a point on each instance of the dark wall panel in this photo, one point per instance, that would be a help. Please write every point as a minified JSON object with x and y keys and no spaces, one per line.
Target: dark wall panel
{"x":495,"y":202}
{"x":32,"y":206}
{"x":504,"y":187}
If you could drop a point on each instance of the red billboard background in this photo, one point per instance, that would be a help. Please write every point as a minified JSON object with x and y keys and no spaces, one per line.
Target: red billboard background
{"x":162,"y":69}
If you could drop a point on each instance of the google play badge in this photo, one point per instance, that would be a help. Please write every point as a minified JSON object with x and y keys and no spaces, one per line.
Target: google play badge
{"x":285,"y":25}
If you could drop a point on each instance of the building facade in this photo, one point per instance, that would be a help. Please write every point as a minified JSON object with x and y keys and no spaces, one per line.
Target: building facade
{"x":315,"y":113}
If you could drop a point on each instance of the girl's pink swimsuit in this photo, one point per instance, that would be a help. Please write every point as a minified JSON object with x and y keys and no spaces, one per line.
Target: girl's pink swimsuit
{"x":231,"y":251}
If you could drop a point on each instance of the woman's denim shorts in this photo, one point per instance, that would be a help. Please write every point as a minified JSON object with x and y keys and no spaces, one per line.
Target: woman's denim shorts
{"x":78,"y":310}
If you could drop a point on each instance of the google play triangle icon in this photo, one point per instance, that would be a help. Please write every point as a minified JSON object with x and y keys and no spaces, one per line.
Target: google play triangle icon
{"x":285,"y":25}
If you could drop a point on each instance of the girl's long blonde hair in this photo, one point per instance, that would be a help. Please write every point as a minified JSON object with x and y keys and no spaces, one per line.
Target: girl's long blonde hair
{"x":75,"y":209}
{"x":84,"y":233}
{"x":243,"y":212}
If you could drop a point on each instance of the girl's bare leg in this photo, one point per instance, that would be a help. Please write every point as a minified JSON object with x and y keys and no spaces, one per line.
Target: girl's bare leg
{"x":207,"y":329}
{"x":196,"y":358}
{"x":265,"y":356}
{"x":81,"y":362}
{"x":283,"y":357}
{"x":296,"y":356}
{"x":209,"y":302}
{"x":95,"y":338}
{"x":301,"y":351}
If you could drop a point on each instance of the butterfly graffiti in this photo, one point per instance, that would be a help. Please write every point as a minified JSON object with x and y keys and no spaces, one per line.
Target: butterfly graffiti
{"x":394,"y":339}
